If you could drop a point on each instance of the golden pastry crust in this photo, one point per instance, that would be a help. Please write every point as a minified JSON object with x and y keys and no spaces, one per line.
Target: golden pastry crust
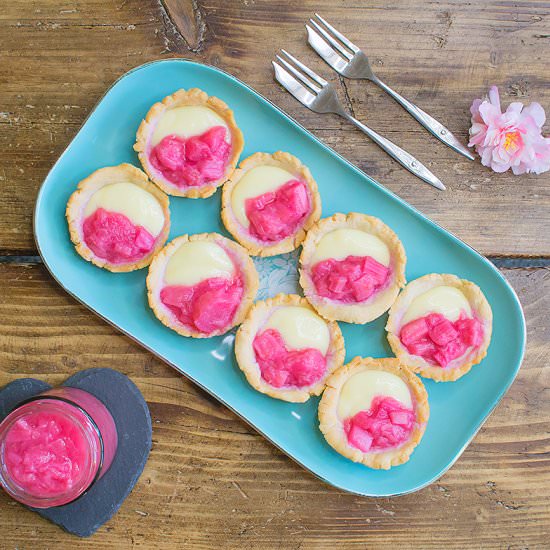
{"x":155,"y":282}
{"x":194,"y":96}
{"x":378,"y":304}
{"x":246,"y":359}
{"x":90,"y":185}
{"x":460,"y":366}
{"x":332,"y":426}
{"x":288,"y":162}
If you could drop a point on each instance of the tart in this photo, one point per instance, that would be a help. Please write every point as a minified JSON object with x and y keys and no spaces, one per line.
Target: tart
{"x":189,"y":143}
{"x":118,"y":219}
{"x":440,"y":326}
{"x":374,"y":411}
{"x":352,"y":267}
{"x":270,"y":202}
{"x":286,"y":350}
{"x":201,"y":285}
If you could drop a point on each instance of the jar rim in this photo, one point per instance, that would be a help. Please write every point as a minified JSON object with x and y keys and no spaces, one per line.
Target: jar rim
{"x":84,"y":425}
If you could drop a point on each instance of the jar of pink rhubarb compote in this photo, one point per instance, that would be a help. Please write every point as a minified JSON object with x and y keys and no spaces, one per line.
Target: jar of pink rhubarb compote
{"x":54,"y":446}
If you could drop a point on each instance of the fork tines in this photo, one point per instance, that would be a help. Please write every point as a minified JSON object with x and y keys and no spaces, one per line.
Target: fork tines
{"x":303,"y":83}
{"x":324,"y":30}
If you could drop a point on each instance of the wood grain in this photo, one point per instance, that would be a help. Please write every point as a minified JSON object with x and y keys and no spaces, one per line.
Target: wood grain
{"x":59,"y":58}
{"x":211,"y":481}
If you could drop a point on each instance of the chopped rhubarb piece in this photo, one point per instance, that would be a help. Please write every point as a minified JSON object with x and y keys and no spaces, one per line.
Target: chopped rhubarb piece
{"x":281,"y":367}
{"x":399,"y":417}
{"x":439,"y":340}
{"x":443,"y":332}
{"x":360,"y":438}
{"x":278,"y":378}
{"x":171,"y":152}
{"x":210,"y":169}
{"x":268,"y":346}
{"x":414,"y":331}
{"x":113,"y":237}
{"x":305,"y":366}
{"x":363,"y":287}
{"x":434,"y":318}
{"x":193,"y":161}
{"x":387,"y":424}
{"x":445,"y":354}
{"x":376,"y":270}
{"x":262,"y":224}
{"x":277,"y":214}
{"x":215,"y":308}
{"x":296,"y":195}
{"x":196,"y":150}
{"x":175,"y":295}
{"x":144,"y":239}
{"x":424,"y":347}
{"x":471,"y":331}
{"x":215,"y":138}
{"x":337,"y":283}
{"x":351,"y":280}
{"x":261,"y":201}
{"x":207,"y":306}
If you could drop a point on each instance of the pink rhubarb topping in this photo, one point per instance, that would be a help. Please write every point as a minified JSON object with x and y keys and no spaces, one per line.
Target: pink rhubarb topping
{"x":387,"y":424}
{"x":192,"y":162}
{"x":207,"y":306}
{"x":283,"y":368}
{"x":354,"y":279}
{"x":45,"y":454}
{"x":440,"y":341}
{"x":113,"y":237}
{"x":277,"y":214}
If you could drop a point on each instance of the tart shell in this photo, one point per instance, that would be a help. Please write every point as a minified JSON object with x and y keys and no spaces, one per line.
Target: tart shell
{"x":155,"y":282}
{"x":332,"y":426}
{"x":382,"y":300}
{"x":90,"y":185}
{"x":288,"y":162}
{"x":479,"y":305}
{"x":194,"y":96}
{"x":246,"y":359}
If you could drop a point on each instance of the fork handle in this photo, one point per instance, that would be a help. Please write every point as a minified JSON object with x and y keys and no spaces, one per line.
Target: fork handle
{"x":400,"y":155}
{"x":433,"y":126}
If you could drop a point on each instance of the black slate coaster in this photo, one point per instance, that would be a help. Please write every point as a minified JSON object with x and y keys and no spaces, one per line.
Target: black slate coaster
{"x":123,"y":399}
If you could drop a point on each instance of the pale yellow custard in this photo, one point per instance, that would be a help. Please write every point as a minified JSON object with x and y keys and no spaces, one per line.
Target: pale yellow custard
{"x":300,"y":328}
{"x":446,"y":300}
{"x":188,"y":121}
{"x":361,"y":388}
{"x":138,"y":205}
{"x":341,"y":243}
{"x":256,"y":182}
{"x":195,"y":261}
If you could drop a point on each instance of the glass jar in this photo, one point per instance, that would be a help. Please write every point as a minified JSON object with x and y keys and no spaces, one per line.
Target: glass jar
{"x":54,"y":446}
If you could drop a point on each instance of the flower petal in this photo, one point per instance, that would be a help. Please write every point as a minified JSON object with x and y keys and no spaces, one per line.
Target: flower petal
{"x":536,"y":112}
{"x":511,"y":139}
{"x":494,"y":97}
{"x":515,"y":107}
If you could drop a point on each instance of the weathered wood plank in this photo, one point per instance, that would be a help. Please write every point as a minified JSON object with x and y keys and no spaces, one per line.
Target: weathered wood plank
{"x":212,"y":482}
{"x":57,"y":60}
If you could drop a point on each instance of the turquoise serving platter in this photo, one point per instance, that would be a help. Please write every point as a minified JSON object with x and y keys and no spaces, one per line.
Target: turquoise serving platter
{"x":457,"y":409}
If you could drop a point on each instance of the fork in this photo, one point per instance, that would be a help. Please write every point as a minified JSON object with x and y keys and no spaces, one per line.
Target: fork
{"x":349,"y":61}
{"x":320,"y":96}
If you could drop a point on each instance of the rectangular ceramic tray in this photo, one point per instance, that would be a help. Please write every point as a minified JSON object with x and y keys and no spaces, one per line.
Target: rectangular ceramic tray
{"x":457,"y":409}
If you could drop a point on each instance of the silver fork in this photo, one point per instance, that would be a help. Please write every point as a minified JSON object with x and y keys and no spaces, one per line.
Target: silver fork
{"x":318,"y":95}
{"x":349,"y":61}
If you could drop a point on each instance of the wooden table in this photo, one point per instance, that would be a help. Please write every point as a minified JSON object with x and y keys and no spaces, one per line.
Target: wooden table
{"x":211,"y":481}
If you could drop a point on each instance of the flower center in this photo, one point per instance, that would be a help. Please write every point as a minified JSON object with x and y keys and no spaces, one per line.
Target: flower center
{"x":513,"y":141}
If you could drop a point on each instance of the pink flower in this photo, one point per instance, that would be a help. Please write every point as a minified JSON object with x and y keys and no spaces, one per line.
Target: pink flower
{"x":512,"y":139}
